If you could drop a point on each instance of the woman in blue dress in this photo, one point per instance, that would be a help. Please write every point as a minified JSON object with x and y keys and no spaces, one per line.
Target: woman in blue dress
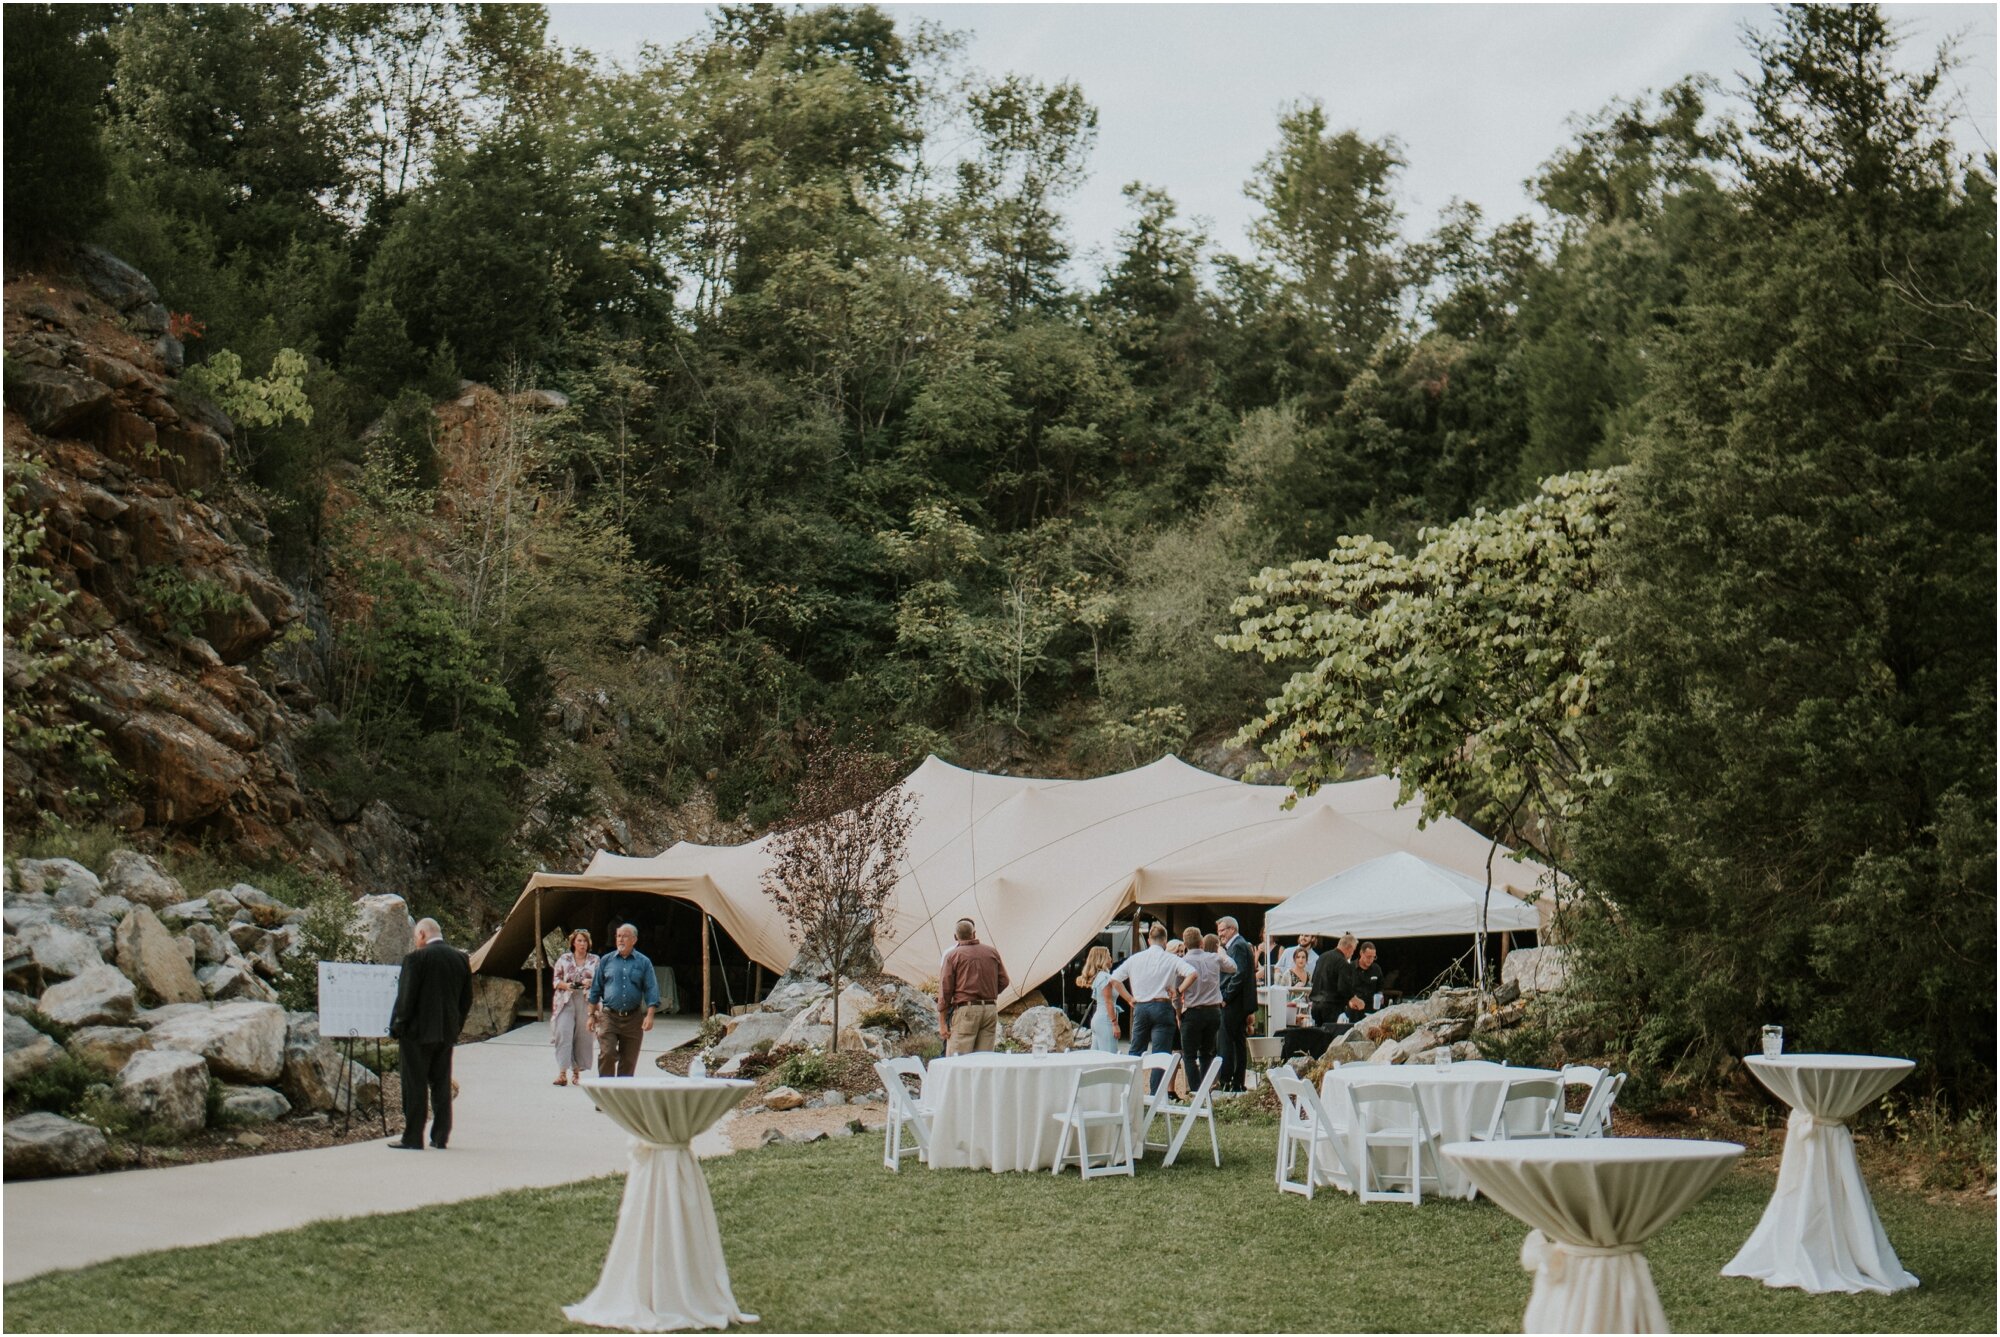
{"x":1096,"y":978}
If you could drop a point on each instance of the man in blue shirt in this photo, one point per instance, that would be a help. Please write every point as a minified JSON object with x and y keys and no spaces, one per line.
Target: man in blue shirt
{"x":623,"y":987}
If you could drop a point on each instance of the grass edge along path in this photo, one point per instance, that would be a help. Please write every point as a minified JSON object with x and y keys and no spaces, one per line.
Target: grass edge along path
{"x":821,"y":1238}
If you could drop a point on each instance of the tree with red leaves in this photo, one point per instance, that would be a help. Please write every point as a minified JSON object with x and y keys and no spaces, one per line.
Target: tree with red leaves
{"x":834,"y":861}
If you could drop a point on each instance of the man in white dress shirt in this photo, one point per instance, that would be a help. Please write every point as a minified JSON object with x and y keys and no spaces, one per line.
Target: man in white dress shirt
{"x":1152,"y":977}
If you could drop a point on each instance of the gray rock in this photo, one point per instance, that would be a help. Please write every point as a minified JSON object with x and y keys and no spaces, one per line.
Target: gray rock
{"x":99,"y":996}
{"x":1457,"y":1002}
{"x":60,"y":952}
{"x":771,"y":1137}
{"x":28,"y":1050}
{"x":141,"y":880}
{"x":112,"y":280}
{"x":745,"y":1031}
{"x":242,"y":1041}
{"x":783,"y":1098}
{"x":1536,"y":969}
{"x":494,"y":1003}
{"x":190,"y":912}
{"x":247,"y":938}
{"x":235,"y":979}
{"x":24,"y":910}
{"x":317,"y":1077}
{"x":826,"y":1100}
{"x":54,"y":400}
{"x":265,"y":911}
{"x":1506,"y":993}
{"x":151,"y":958}
{"x":253,"y":1104}
{"x":99,"y":927}
{"x":1451,"y":1030}
{"x":24,"y":877}
{"x":169,"y":1089}
{"x":384,"y":928}
{"x":20,"y":964}
{"x":159,"y":1016}
{"x":107,"y":1046}
{"x":804,"y":1136}
{"x":70,"y":883}
{"x":790,"y":996}
{"x":210,"y":947}
{"x":40,"y":1146}
{"x":1049,"y":1027}
{"x":116,"y":907}
{"x":17,"y":1003}
{"x":848,"y":1129}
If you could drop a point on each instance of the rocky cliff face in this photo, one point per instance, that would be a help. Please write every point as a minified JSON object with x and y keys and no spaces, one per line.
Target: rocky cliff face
{"x":129,"y":480}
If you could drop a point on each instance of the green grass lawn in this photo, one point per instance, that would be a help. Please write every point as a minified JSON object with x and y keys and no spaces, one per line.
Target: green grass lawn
{"x":822,"y":1238}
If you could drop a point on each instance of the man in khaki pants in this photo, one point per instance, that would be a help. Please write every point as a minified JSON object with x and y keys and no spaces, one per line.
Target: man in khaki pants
{"x":969,"y":988}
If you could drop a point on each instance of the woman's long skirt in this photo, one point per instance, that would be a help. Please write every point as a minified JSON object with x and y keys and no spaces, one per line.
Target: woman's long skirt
{"x":570,"y":1028}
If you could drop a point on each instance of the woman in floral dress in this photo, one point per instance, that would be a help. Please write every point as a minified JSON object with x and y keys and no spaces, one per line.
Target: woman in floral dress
{"x":569,"y":1023}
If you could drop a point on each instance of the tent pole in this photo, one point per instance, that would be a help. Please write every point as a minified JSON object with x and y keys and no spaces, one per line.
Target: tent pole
{"x":704,"y":966}
{"x":757,"y":981}
{"x":542,"y":956}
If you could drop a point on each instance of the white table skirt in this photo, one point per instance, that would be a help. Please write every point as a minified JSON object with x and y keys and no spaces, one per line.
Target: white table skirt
{"x":1820,"y":1232}
{"x":1592,"y":1203}
{"x":665,"y":1270}
{"x":997,"y":1111}
{"x":1458,"y":1102}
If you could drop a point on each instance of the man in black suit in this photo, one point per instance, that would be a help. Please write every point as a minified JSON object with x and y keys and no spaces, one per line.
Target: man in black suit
{"x":432,"y":998}
{"x":1239,"y":1001}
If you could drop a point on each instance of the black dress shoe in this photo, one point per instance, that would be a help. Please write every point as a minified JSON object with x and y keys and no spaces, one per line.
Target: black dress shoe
{"x":437,"y":1146}
{"x":406,"y":1146}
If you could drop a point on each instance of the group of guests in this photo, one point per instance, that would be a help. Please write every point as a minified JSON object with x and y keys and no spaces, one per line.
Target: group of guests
{"x":1195,"y":993}
{"x":602,"y":1003}
{"x":1346,"y":982}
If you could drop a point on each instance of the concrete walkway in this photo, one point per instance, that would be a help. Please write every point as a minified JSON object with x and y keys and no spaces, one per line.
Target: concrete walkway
{"x":512,"y":1128}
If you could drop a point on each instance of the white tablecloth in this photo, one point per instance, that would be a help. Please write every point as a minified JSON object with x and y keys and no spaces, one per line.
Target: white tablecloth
{"x":1458,"y":1102}
{"x":997,"y":1111}
{"x":1820,"y":1232}
{"x":665,"y":1269}
{"x":1592,"y":1202}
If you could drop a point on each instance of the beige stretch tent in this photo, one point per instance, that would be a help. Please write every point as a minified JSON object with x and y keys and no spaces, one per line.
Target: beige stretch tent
{"x":1042,"y":865}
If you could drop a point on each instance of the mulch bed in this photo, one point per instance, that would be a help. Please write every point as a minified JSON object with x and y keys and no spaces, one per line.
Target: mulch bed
{"x":301,"y":1133}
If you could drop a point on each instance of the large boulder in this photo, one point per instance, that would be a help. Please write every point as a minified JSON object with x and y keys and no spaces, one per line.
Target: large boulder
{"x":99,"y":996}
{"x":107,"y":1046}
{"x":855,"y":1003}
{"x":60,"y":952}
{"x":783,"y":1098}
{"x":383,"y":928}
{"x":167,"y":1088}
{"x":747,"y":1030}
{"x":44,"y":1145}
{"x":211,"y":948}
{"x":253,"y":1104}
{"x":790,"y":994}
{"x":141,"y":880}
{"x":494,"y":1003}
{"x":190,"y":912}
{"x":235,"y":979}
{"x":20,"y":964}
{"x":151,"y":959}
{"x":28,"y":1050}
{"x":243,"y":1042}
{"x":1048,"y":1028}
{"x":23,"y":910}
{"x":69,"y":883}
{"x":1536,"y":969}
{"x":160,"y":1016}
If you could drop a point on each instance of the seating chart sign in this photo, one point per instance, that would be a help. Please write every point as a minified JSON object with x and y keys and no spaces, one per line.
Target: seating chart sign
{"x":356,"y":999}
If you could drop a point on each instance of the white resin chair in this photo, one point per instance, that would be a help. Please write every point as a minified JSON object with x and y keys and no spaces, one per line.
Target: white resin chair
{"x":1406,"y":1130}
{"x":906,"y":1111}
{"x":1529,"y":1109}
{"x":1594,"y":1119}
{"x":1077,"y":1122}
{"x":1161,"y":1096}
{"x":1181,"y":1118}
{"x":1303,"y":1121}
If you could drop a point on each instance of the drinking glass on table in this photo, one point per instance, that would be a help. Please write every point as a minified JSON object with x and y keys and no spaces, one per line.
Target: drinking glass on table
{"x":1774,"y":1041}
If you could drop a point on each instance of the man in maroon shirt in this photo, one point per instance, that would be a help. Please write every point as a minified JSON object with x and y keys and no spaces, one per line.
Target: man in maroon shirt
{"x":968,"y":994}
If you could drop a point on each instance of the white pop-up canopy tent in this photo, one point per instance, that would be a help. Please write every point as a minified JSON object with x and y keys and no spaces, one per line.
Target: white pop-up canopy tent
{"x":1041,"y":866}
{"x":1399,"y":896}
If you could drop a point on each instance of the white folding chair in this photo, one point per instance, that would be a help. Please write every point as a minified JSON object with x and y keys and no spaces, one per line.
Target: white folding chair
{"x":1529,"y":1108}
{"x":1303,"y":1120}
{"x":1160,"y":1096}
{"x":1408,"y":1132}
{"x":1201,"y":1105}
{"x":905,"y":1111}
{"x":1077,"y":1122}
{"x":1594,"y":1119}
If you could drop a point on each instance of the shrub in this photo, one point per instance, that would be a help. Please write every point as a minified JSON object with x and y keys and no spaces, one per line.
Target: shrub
{"x":712,"y":1030}
{"x":886,"y":1018}
{"x":804,"y":1067}
{"x":48,"y":1026}
{"x":761,"y":1047}
{"x":1398,"y":1028}
{"x":58,"y":1088}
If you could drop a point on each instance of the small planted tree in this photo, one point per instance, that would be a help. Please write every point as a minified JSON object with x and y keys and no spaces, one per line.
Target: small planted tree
{"x":834,"y":860}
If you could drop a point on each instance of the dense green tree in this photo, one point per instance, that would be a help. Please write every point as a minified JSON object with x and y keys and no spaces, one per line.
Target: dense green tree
{"x":57,"y":174}
{"x":1801,"y":611}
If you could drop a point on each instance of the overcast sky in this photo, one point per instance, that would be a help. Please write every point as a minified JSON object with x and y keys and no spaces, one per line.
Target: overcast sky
{"x":1477,"y":95}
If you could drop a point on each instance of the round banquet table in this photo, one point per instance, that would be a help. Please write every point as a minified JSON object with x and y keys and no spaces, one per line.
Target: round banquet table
{"x":1458,"y":1102}
{"x":665,"y":1269}
{"x":997,"y":1111}
{"x":1820,"y":1232}
{"x":1591,"y":1203}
